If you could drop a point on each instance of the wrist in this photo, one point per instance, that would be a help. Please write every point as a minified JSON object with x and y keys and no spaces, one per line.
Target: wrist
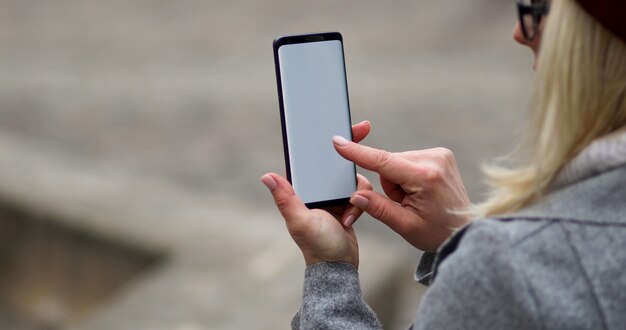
{"x":311,"y":260}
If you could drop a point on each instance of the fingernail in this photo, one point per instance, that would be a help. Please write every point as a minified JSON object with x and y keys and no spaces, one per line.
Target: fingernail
{"x":340,"y":140}
{"x":349,"y":220}
{"x":359,"y":201}
{"x":269,"y":182}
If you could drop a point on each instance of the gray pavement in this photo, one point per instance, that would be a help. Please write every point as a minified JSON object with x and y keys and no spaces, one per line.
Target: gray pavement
{"x":153,"y":121}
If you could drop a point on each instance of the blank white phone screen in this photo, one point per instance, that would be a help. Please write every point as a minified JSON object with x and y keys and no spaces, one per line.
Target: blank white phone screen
{"x":315,"y":101}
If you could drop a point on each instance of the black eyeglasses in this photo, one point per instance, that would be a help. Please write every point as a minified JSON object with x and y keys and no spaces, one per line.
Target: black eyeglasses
{"x":531,"y":12}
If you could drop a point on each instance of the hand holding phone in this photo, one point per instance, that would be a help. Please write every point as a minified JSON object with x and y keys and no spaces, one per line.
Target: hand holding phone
{"x":314,"y":106}
{"x":322,"y":235}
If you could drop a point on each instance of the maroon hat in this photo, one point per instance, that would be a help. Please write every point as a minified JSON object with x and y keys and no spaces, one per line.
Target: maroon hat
{"x":610,"y":13}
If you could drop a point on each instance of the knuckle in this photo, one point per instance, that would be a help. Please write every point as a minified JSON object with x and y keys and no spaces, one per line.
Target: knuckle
{"x":405,"y":228}
{"x":353,"y":152}
{"x":379,"y":211}
{"x":282,"y":204}
{"x":356,"y":148}
{"x":444,"y":154}
{"x":297,"y":231}
{"x":432,"y":174}
{"x":383,"y":158}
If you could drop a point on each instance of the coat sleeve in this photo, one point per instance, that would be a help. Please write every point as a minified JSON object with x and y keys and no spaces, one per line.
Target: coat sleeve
{"x":332,"y":300}
{"x":479,"y":286}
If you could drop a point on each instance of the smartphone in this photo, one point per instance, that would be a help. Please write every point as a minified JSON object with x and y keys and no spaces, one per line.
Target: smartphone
{"x":313,"y":98}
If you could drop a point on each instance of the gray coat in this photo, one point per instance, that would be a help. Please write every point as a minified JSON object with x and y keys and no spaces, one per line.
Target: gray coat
{"x":560,"y":264}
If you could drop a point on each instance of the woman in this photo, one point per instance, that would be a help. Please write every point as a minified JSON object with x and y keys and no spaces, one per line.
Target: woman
{"x":551,"y":249}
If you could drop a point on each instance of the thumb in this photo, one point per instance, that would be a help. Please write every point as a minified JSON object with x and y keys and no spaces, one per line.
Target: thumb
{"x":289,"y":205}
{"x":384,"y":209}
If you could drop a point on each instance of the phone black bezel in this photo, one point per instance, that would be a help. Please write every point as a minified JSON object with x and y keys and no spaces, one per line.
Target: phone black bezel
{"x":298,"y":39}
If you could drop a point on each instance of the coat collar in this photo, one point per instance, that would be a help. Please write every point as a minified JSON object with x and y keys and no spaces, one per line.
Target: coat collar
{"x":600,"y":156}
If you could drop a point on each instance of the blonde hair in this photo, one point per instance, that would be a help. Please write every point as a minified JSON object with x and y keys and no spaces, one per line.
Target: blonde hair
{"x":580,"y":95}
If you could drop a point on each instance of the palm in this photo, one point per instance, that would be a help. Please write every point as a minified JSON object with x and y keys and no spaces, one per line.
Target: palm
{"x":325,"y":238}
{"x":320,"y":234}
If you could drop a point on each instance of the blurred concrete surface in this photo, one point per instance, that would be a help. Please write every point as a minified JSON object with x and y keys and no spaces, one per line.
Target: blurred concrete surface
{"x":149,"y":123}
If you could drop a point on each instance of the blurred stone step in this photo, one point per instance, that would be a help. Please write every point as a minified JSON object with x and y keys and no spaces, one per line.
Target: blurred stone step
{"x":225,"y":266}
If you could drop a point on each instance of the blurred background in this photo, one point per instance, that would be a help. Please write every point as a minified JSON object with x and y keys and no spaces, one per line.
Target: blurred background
{"x":133,"y":135}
